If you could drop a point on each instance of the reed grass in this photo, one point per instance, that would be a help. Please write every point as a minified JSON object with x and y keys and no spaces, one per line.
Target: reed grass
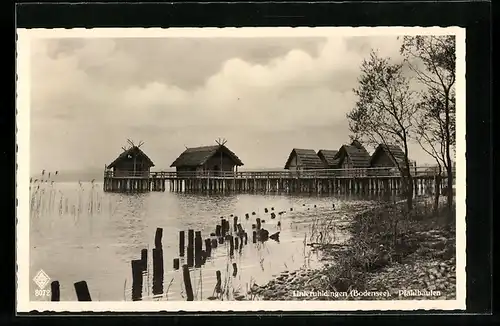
{"x":47,"y":198}
{"x":381,"y":236}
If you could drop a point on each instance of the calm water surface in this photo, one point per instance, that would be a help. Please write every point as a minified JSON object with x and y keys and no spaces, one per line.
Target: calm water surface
{"x":77,"y":232}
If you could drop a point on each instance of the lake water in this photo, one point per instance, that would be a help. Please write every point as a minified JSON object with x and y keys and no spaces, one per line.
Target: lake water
{"x":78,"y":232}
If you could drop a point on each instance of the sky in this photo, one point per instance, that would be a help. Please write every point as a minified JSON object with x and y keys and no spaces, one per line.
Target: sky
{"x":265,"y":96}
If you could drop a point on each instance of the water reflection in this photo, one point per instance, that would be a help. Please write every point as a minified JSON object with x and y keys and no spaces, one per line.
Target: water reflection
{"x":128,"y":225}
{"x":98,"y":242}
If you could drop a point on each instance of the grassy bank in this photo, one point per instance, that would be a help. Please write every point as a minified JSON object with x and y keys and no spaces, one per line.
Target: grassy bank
{"x":390,"y":250}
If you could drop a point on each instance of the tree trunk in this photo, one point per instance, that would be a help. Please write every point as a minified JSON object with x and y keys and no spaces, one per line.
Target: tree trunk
{"x":449,"y":179}
{"x":449,"y":165}
{"x":408,"y":177}
{"x":437,"y":192}
{"x":409,"y":192}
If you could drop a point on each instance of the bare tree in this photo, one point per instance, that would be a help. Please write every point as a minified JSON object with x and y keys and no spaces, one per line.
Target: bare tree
{"x":385,"y":110}
{"x":432,"y":59}
{"x":429,"y":134}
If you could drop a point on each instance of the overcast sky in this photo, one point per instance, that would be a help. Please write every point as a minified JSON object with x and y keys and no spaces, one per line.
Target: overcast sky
{"x":264,"y":95}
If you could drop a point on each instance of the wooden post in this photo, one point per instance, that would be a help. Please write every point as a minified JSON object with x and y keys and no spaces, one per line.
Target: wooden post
{"x":208,"y":247}
{"x":235,"y":269}
{"x":203,"y":257}
{"x":158,"y":236}
{"x":55,"y":294}
{"x":223,"y":228}
{"x":137,"y":268}
{"x":236,"y":243}
{"x":198,"y":246}
{"x":144,"y":259}
{"x":157,"y":271}
{"x":190,"y":248}
{"x":218,"y":288}
{"x":214,"y":243}
{"x":191,"y":238}
{"x":82,"y":290}
{"x":235,"y":223}
{"x":182,"y":239}
{"x":231,"y":245}
{"x":187,"y":282}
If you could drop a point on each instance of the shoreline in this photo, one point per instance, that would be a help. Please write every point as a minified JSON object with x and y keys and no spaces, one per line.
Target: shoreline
{"x":390,"y":255}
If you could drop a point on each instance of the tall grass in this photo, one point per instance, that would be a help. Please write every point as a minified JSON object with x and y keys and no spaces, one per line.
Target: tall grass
{"x":382,"y":235}
{"x":48,"y":197}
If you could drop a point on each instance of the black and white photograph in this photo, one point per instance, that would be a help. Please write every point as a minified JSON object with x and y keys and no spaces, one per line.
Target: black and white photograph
{"x":248,"y":168}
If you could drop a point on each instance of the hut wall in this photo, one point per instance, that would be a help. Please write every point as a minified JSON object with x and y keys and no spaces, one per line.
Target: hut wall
{"x":382,"y":159}
{"x":294,"y":167}
{"x":294,"y":164}
{"x":126,"y":168}
{"x":186,"y":171}
{"x":216,"y":163}
{"x":352,"y":171}
{"x":346,"y":164}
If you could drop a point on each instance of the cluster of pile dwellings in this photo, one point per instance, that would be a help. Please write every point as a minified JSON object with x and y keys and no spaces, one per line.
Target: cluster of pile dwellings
{"x":210,"y":167}
{"x":350,"y":160}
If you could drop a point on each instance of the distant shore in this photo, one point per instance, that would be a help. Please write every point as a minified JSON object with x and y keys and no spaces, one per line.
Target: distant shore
{"x":391,"y":255}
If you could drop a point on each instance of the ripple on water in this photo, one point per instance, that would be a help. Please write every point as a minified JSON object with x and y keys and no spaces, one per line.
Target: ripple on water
{"x":97,"y":246}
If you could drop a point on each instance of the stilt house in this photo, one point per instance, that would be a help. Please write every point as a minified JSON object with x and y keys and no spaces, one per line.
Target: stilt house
{"x":207,"y":160}
{"x":391,"y":157}
{"x":329,"y":158}
{"x":132,"y":162}
{"x":354,"y":159}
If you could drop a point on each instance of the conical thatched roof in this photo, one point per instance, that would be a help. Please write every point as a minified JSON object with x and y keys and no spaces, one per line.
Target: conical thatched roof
{"x":133,"y":151}
{"x":197,"y":156}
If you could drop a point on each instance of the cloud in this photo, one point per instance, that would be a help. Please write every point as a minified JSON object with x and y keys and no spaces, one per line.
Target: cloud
{"x":90,"y":95}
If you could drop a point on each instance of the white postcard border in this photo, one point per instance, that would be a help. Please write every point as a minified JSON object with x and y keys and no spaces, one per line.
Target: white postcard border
{"x":23,"y":162}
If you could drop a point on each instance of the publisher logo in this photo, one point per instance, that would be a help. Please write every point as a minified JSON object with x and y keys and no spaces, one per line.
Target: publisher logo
{"x":41,"y":279}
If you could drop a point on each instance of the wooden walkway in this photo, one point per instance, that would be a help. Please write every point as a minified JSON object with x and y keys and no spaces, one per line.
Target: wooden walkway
{"x":283,"y":181}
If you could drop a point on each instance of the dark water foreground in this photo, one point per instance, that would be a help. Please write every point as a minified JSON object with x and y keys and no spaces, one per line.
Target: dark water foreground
{"x":78,"y":233}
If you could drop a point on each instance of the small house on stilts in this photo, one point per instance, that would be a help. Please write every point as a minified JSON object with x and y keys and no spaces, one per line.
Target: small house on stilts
{"x":353,"y":159}
{"x":215,"y":160}
{"x":301,"y":160}
{"x":132,"y":162}
{"x":329,"y":158}
{"x":391,"y":157}
{"x":130,"y":171}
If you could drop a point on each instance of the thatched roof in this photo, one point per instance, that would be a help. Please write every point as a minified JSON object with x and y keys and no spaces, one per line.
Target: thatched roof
{"x":358,"y":155}
{"x":329,"y":157}
{"x":394,"y":152}
{"x":197,"y":156}
{"x":307,"y":158}
{"x":133,"y":151}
